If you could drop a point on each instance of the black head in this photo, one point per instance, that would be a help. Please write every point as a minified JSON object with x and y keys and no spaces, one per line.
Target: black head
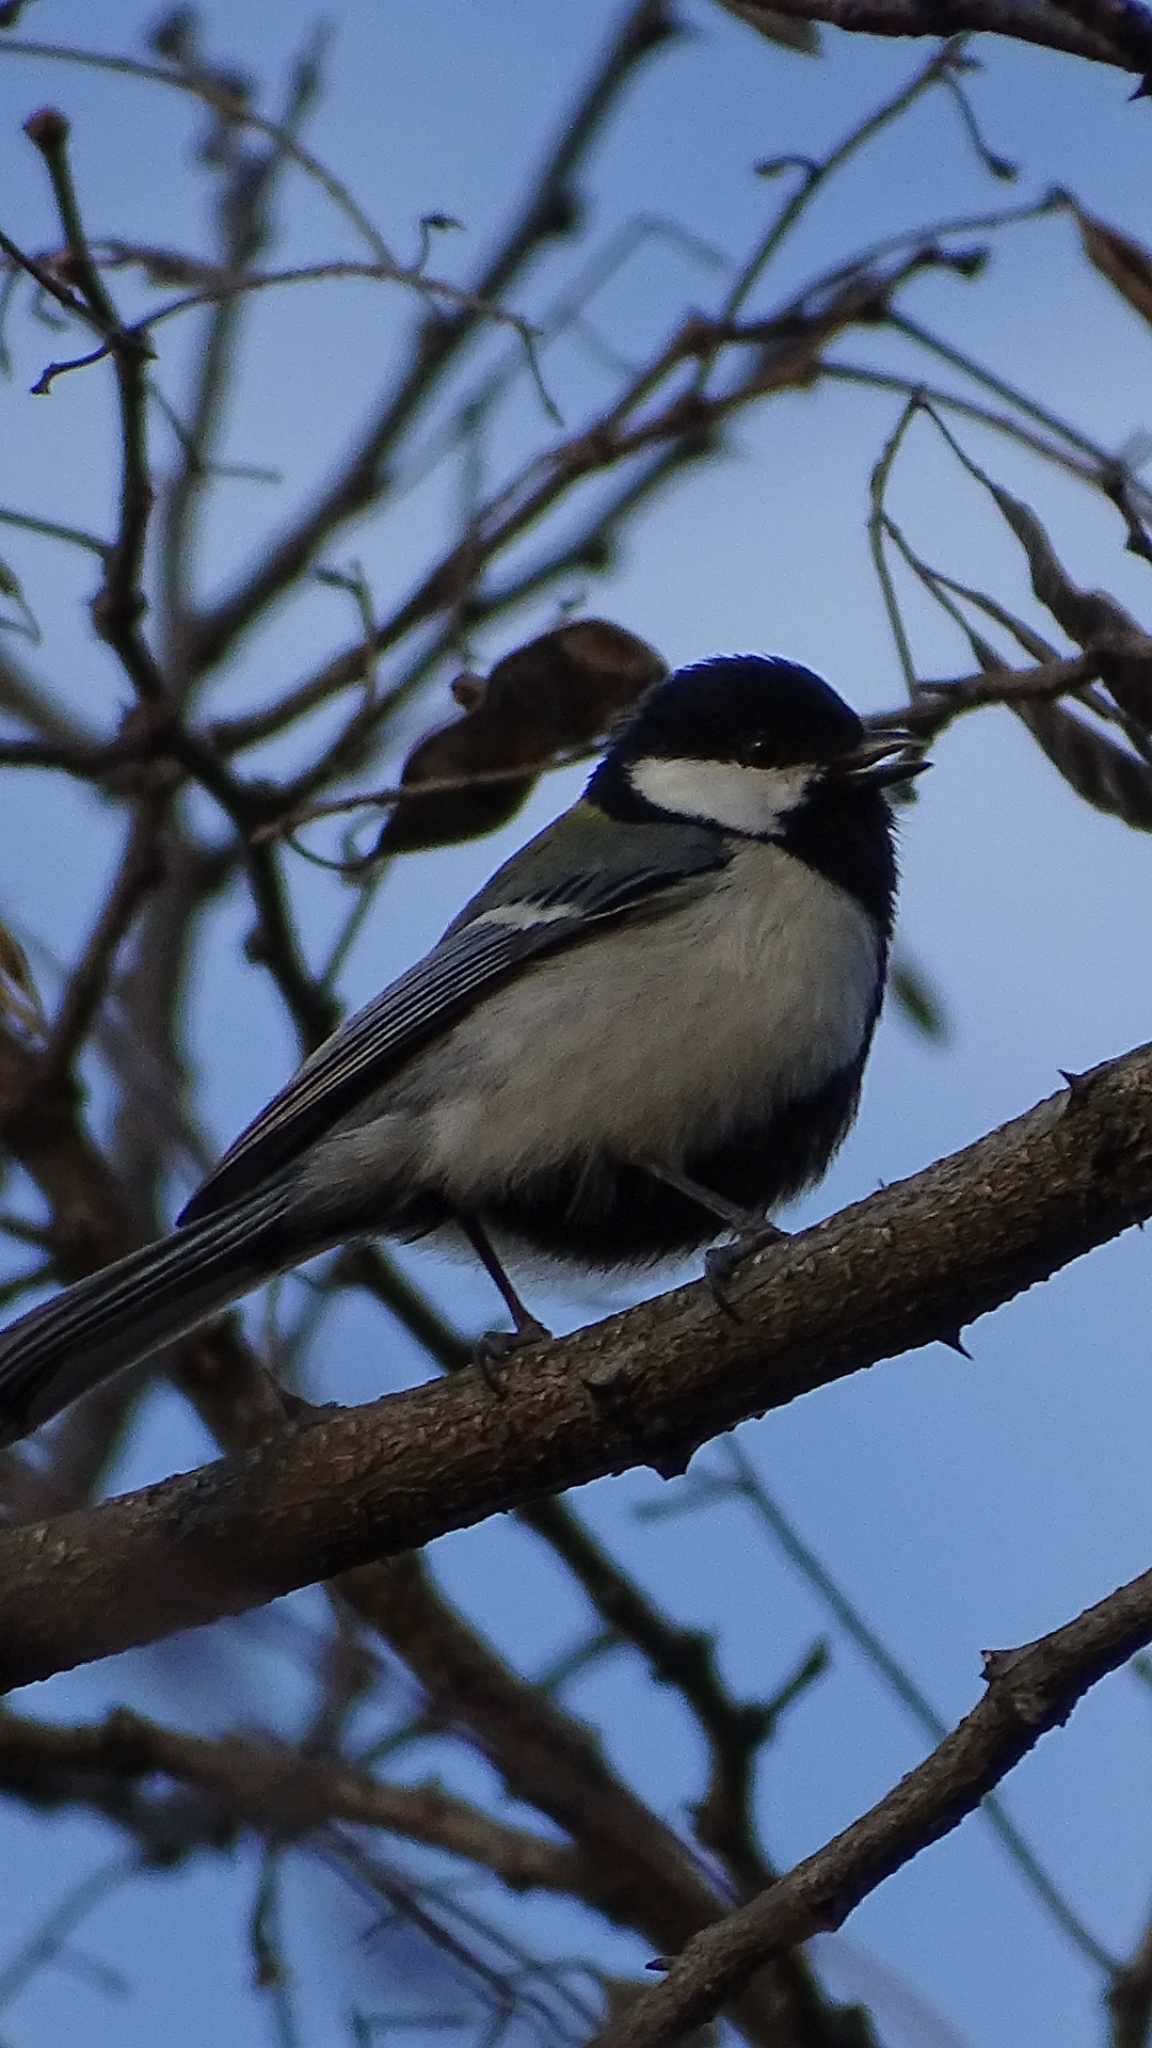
{"x":747,"y":744}
{"x":751,"y":708}
{"x":762,"y":749}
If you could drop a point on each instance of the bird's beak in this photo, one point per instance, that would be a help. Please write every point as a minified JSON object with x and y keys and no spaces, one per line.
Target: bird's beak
{"x":882,"y":759}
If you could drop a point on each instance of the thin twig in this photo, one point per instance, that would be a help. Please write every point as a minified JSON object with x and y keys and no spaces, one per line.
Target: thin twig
{"x":1029,"y":408}
{"x":881,"y":476}
{"x":55,"y":529}
{"x":243,"y":214}
{"x":790,"y":363}
{"x":818,"y":174}
{"x":748,"y":1484}
{"x":549,"y":211}
{"x":140,"y":870}
{"x":1087,"y":468}
{"x":1029,"y":1692}
{"x":230,"y":104}
{"x":276,"y":1787}
{"x":119,"y":603}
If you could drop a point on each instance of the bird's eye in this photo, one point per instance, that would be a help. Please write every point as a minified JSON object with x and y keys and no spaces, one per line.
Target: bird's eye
{"x":756,"y":754}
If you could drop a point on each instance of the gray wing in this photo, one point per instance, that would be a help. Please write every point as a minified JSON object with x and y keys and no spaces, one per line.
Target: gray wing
{"x":473,"y":958}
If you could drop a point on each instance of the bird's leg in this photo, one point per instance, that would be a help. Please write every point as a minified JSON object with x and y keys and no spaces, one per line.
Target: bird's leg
{"x":496,"y":1345}
{"x":752,"y":1231}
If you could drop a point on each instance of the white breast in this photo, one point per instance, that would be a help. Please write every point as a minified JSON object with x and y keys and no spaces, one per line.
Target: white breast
{"x":654,"y":1039}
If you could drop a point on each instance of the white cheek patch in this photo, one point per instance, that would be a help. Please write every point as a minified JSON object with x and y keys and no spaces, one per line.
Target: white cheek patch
{"x":755,"y":801}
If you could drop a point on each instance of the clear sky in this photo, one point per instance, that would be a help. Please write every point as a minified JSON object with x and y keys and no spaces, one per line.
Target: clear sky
{"x":962,"y":1505}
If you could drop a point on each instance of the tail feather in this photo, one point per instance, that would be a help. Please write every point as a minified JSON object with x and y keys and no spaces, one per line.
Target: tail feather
{"x":117,"y":1317}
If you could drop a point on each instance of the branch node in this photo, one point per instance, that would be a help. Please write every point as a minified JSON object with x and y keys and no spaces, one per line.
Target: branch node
{"x":673,"y":1463}
{"x":603,"y":1386}
{"x":1079,"y":1087}
{"x":48,"y":128}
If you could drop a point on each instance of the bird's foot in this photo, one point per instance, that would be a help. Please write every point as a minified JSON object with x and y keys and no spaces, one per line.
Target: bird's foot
{"x":496,"y":1347}
{"x":724,"y":1261}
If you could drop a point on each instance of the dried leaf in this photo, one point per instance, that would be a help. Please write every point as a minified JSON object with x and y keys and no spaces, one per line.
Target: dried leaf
{"x":1104,"y":774}
{"x":790,"y":31}
{"x":1126,"y":265}
{"x":1084,"y":614}
{"x":20,"y":1005}
{"x":913,"y":993}
{"x":557,"y":693}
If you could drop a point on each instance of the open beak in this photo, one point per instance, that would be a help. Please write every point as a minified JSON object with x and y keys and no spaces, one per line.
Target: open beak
{"x":881,"y":760}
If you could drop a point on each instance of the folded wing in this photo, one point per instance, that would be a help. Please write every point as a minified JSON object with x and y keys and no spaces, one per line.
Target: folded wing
{"x":480,"y":951}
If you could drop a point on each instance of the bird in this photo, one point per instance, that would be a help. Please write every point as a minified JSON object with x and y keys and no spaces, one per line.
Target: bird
{"x":648,"y":1029}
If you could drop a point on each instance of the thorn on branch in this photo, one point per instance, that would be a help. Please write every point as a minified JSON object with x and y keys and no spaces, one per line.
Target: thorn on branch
{"x":673,"y":1463}
{"x":998,"y":1664}
{"x":774,"y":166}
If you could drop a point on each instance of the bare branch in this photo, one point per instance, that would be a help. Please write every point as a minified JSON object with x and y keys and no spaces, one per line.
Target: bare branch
{"x":1105,"y":31}
{"x":1030,"y":1691}
{"x":271,"y":1786}
{"x":200,"y":85}
{"x":746,"y":1484}
{"x":139,"y":871}
{"x":119,"y":604}
{"x":646,"y":1387}
{"x":550,"y":211}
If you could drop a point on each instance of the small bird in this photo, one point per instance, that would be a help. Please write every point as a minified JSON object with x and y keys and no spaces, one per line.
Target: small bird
{"x":649,"y":1028}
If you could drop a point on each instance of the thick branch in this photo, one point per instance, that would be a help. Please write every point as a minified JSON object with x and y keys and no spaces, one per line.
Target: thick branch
{"x":1104,"y":30}
{"x":911,"y":1264}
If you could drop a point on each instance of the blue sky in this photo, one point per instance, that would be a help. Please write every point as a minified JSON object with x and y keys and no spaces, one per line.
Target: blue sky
{"x":962,"y":1505}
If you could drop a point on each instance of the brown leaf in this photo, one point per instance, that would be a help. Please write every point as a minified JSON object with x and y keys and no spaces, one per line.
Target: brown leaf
{"x":1084,"y":614}
{"x":1104,"y":774}
{"x":790,"y":30}
{"x":557,"y":693}
{"x":1126,"y":265}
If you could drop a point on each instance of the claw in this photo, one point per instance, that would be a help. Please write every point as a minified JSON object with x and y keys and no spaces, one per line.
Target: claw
{"x":724,"y":1261}
{"x":719,"y":1268}
{"x":496,"y":1347}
